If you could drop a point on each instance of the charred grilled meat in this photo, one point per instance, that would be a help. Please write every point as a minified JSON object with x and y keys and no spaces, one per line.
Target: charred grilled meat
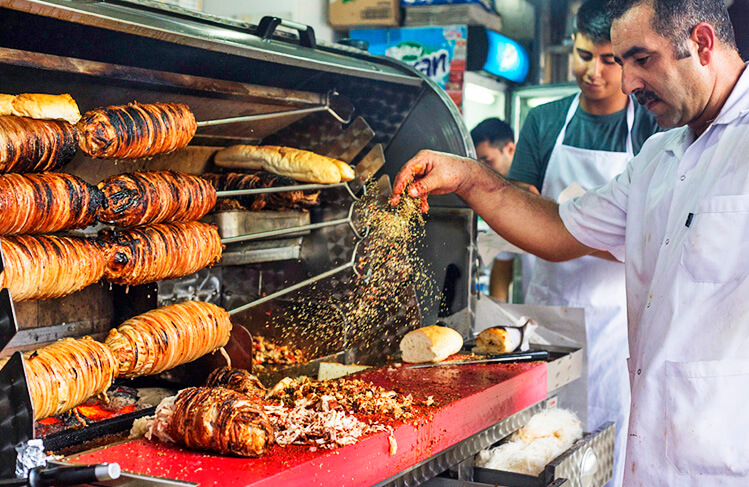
{"x":287,"y":200}
{"x":215,"y":419}
{"x":238,"y":380}
{"x":46,"y":266}
{"x":161,"y":251}
{"x":166,"y":337}
{"x":136,"y":130}
{"x":154,"y":197}
{"x":46,"y":203}
{"x":28,"y":145}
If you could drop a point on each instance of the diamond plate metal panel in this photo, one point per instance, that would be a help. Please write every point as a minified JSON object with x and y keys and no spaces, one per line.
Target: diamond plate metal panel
{"x":589,"y":463}
{"x":430,"y":468}
{"x":17,"y":423}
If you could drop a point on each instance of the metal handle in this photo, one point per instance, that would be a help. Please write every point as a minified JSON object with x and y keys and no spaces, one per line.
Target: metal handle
{"x":268,"y":25}
{"x":40,"y":477}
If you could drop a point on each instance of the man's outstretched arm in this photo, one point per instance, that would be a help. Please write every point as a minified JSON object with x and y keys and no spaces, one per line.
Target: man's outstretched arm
{"x":524,"y":219}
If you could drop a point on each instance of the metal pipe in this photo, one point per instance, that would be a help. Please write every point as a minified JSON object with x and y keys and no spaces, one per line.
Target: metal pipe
{"x":289,"y":289}
{"x":279,"y":189}
{"x":262,"y":116}
{"x":349,"y":265}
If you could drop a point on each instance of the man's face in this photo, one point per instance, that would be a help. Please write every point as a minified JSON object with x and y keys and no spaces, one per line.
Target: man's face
{"x":597,"y":74}
{"x":499,"y":159}
{"x":674,"y":90}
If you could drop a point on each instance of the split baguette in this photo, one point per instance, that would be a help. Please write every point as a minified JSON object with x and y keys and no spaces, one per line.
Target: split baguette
{"x":40,"y":106}
{"x":6,"y":104}
{"x":297,"y":164}
{"x":430,"y":344}
{"x":497,"y":340}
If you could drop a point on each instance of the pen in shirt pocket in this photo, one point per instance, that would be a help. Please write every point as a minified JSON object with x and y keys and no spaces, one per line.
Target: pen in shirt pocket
{"x":689,"y":219}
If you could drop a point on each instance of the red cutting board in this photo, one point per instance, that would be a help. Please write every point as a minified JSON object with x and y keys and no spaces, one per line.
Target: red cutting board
{"x":468,"y":399}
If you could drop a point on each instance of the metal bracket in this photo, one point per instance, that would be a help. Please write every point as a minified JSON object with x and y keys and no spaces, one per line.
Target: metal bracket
{"x":8,"y":323}
{"x":17,"y":413}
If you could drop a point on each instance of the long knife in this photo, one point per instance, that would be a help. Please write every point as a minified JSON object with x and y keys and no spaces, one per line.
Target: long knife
{"x":491,"y":359}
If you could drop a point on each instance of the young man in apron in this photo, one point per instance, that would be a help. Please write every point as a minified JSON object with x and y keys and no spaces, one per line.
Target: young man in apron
{"x":587,"y":139}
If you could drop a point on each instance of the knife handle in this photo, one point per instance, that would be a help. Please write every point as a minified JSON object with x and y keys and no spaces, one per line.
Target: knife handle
{"x":531,"y":356}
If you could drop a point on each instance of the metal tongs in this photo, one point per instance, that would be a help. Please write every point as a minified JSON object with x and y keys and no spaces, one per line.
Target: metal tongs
{"x":338,"y":106}
{"x":531,"y":356}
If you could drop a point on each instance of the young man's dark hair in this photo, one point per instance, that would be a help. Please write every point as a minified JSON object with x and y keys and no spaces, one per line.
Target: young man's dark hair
{"x":493,"y":130}
{"x":675,"y":19}
{"x":593,"y":21}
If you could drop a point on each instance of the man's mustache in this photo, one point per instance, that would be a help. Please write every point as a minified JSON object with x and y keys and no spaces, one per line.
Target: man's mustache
{"x":645,"y":96}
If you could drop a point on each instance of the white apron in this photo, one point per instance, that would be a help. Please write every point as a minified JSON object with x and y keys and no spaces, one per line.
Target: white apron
{"x":594,"y":284}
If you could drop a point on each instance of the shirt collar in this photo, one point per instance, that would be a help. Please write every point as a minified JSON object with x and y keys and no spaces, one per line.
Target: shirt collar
{"x":679,"y":141}
{"x":737,"y":103}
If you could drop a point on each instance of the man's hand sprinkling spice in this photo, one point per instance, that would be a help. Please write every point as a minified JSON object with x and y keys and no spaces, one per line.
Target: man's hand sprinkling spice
{"x":432,"y":172}
{"x":524,"y":219}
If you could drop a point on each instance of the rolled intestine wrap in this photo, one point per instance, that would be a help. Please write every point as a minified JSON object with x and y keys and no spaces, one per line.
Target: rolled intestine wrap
{"x":150,"y":253}
{"x":215,"y":419}
{"x":136,"y":130}
{"x":65,"y":374}
{"x":141,"y":198}
{"x":166,"y":337}
{"x":47,"y":266}
{"x":28,"y":145}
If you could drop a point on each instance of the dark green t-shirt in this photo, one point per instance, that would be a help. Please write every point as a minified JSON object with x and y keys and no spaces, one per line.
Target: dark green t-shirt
{"x":585,"y":131}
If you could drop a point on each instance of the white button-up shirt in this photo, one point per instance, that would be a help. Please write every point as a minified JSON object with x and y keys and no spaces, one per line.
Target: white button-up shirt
{"x":680,"y":216}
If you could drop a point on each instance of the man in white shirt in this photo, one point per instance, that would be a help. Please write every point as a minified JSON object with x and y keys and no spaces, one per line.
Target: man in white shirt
{"x":680,"y":216}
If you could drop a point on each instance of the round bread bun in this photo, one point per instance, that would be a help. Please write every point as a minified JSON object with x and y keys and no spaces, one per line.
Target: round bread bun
{"x":430,"y":344}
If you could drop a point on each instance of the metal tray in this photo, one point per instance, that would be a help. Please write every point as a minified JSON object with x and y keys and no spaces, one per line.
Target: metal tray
{"x":588,"y":463}
{"x":235,"y":223}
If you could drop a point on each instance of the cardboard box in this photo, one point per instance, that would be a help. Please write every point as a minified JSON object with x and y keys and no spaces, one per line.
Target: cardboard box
{"x":469,"y":14}
{"x":353,"y":13}
{"x":487,"y":4}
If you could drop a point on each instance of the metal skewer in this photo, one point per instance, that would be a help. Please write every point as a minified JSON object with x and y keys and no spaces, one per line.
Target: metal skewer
{"x":279,"y":189}
{"x":339,"y":107}
{"x":385,"y":189}
{"x":350,"y":264}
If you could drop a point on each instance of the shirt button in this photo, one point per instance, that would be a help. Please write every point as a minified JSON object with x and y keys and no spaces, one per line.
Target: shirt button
{"x":683,"y":177}
{"x":648,"y":305}
{"x":666,"y":241}
{"x":639,"y":371}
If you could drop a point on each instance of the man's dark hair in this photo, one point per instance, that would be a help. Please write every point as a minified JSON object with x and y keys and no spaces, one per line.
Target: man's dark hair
{"x":675,"y":19}
{"x":493,"y":130}
{"x":593,"y":21}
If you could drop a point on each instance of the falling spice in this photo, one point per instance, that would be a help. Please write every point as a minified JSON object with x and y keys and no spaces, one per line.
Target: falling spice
{"x":389,"y":273}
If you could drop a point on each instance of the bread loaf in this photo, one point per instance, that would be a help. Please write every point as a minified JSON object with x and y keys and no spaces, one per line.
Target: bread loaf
{"x":430,"y":344}
{"x":297,"y":164}
{"x":497,"y":340}
{"x":40,"y":106}
{"x":6,"y":104}
{"x":347,"y":172}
